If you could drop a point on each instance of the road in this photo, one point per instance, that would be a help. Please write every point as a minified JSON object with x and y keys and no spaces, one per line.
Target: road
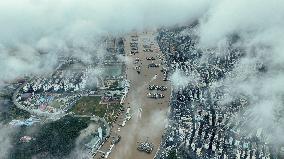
{"x":148,"y":115}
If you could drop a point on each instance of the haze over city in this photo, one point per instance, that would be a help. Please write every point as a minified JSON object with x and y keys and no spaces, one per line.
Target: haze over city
{"x":133,"y":79}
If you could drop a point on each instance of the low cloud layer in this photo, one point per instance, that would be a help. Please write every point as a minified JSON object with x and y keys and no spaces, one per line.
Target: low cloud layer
{"x":5,"y":140}
{"x":180,"y":80}
{"x":34,"y":33}
{"x":259,"y":74}
{"x":258,"y":31}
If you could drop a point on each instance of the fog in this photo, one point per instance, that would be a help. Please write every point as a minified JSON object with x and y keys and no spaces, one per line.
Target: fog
{"x":180,"y":80}
{"x":35,"y":30}
{"x":34,"y":33}
{"x":260,"y":27}
{"x":5,"y":140}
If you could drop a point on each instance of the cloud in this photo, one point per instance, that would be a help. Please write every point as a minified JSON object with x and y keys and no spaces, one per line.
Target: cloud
{"x":259,"y":74}
{"x":34,"y":33}
{"x":226,"y":17}
{"x":5,"y":140}
{"x":80,"y":151}
{"x":94,"y":77}
{"x":30,"y":28}
{"x":180,"y":80}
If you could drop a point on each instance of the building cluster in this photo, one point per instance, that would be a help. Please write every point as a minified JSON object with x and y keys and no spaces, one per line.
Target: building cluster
{"x":145,"y":146}
{"x":118,"y":93}
{"x":94,"y":140}
{"x":57,"y":83}
{"x":148,"y":44}
{"x":26,"y":139}
{"x":55,"y":94}
{"x":134,"y":45}
{"x":155,"y":95}
{"x":26,"y":122}
{"x":156,"y":87}
{"x":72,"y":79}
{"x":113,"y":46}
{"x":200,"y":127}
{"x":115,"y":86}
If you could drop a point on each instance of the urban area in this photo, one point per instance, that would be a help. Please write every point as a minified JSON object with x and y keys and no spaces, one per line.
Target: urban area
{"x":127,"y":103}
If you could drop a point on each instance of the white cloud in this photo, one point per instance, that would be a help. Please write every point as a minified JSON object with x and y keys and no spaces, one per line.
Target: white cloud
{"x":180,"y":80}
{"x":66,"y":26}
{"x":260,"y":27}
